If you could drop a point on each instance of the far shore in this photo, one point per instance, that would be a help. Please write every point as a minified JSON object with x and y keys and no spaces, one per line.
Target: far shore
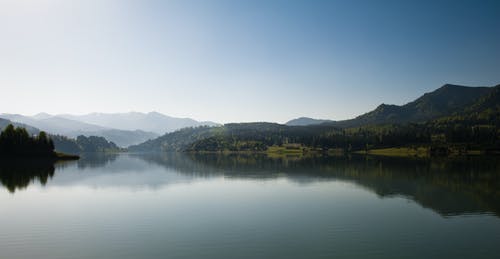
{"x":56,"y":156}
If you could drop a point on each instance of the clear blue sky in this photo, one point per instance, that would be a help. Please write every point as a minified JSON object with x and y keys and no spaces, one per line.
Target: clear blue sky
{"x":240,"y":60}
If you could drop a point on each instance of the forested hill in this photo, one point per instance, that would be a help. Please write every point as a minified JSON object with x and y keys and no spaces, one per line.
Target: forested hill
{"x":452,"y":116}
{"x":485,"y":111}
{"x":83,"y":144}
{"x":444,"y":101}
{"x":17,"y":142}
{"x":233,"y":136}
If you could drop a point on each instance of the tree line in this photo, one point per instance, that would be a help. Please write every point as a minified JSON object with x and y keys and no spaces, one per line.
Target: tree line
{"x":435,"y":134}
{"x":17,"y":142}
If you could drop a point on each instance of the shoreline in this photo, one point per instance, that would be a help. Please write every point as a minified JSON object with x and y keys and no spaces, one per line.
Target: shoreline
{"x":56,"y":156}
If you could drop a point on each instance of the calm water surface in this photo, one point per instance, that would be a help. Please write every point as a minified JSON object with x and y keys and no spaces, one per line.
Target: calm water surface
{"x":209,"y":206}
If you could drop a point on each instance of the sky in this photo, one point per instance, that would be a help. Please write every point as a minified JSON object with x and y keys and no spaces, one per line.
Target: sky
{"x":237,"y":61}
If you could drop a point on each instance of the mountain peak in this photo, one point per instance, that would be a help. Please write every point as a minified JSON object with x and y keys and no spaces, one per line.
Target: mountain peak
{"x":42,"y":115}
{"x":452,"y":86}
{"x":305,"y":121}
{"x":155,"y":113}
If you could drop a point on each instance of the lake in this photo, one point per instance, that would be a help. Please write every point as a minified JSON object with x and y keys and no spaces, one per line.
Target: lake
{"x":250,"y":206}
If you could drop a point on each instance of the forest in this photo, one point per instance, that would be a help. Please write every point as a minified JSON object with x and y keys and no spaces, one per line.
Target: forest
{"x":84,"y":144}
{"x":259,"y":137}
{"x":17,"y":142}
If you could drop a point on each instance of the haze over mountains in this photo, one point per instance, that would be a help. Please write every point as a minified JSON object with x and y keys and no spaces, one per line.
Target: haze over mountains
{"x":153,"y":121}
{"x":124,"y":129}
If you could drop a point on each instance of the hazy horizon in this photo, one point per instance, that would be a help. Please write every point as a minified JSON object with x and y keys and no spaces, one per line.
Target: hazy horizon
{"x":207,"y":120}
{"x":238,"y":61}
{"x":149,"y":112}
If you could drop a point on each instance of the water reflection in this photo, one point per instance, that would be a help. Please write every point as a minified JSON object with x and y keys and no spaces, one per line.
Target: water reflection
{"x":449,"y":186}
{"x":95,"y":160}
{"x":17,"y":174}
{"x":466,"y":185}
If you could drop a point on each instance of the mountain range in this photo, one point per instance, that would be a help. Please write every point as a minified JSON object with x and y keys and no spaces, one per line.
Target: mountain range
{"x":466,"y":106}
{"x":151,"y":122}
{"x":31,"y":130}
{"x":454,"y":114}
{"x":124,"y":129}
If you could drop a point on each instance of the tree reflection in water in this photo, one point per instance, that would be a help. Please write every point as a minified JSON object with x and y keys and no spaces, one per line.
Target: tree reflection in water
{"x":17,"y":174}
{"x":448,"y":186}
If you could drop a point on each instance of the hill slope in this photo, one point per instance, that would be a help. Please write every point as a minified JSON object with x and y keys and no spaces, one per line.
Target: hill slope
{"x":444,"y":101}
{"x":31,"y":130}
{"x":484,"y":111}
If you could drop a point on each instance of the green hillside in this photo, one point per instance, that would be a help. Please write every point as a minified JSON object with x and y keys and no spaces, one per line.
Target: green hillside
{"x":452,"y":119}
{"x":444,"y":101}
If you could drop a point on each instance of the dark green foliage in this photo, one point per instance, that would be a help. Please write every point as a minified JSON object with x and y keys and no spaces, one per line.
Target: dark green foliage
{"x":83,"y":144}
{"x":258,"y":137}
{"x":485,"y":111}
{"x":17,"y":142}
{"x":177,"y":140}
{"x":66,"y":145}
{"x":95,"y":144}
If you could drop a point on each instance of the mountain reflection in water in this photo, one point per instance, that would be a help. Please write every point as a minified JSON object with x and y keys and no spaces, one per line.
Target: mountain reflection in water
{"x":448,"y":186}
